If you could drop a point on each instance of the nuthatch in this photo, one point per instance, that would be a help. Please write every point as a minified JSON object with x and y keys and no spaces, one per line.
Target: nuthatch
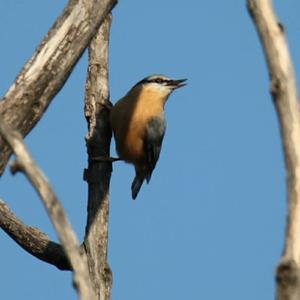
{"x":138,"y":122}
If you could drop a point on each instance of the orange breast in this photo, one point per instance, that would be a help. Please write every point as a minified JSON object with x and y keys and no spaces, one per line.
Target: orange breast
{"x":129,"y":120}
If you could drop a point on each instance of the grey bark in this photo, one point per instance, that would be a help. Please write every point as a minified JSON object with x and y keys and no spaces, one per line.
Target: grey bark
{"x":50,"y":66}
{"x":285,"y":96}
{"x":98,"y":172}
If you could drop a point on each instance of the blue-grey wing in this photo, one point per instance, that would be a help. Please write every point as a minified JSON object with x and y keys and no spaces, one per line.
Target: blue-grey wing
{"x":153,"y":140}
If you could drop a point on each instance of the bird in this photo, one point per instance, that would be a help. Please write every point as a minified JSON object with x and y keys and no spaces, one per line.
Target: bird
{"x":138,"y":123}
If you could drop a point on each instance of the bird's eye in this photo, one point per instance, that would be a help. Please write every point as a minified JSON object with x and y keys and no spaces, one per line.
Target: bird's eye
{"x":158,"y":80}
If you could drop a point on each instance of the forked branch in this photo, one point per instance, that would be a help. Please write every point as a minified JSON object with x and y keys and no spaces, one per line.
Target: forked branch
{"x":50,"y":66}
{"x":66,"y":234}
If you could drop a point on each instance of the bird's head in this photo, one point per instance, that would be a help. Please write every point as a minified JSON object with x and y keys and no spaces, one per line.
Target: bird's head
{"x":161,"y":84}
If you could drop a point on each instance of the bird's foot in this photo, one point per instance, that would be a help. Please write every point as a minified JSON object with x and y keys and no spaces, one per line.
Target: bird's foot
{"x":104,"y":159}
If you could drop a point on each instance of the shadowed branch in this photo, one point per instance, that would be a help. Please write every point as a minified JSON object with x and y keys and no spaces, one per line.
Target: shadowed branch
{"x":32,"y":239}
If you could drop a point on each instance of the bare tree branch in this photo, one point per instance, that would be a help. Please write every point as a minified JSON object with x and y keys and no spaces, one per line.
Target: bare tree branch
{"x":98,"y":173}
{"x":285,"y":96}
{"x":32,"y":239}
{"x":64,"y":229}
{"x":48,"y":69}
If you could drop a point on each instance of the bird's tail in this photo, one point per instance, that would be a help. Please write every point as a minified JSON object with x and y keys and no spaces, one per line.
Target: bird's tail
{"x":136,"y":185}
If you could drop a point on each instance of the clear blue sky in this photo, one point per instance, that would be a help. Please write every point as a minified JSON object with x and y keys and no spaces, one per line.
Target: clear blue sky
{"x":211,"y":223}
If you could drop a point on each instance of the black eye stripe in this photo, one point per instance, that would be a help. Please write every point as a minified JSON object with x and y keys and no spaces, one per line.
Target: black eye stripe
{"x":158,"y":80}
{"x":154,"y":80}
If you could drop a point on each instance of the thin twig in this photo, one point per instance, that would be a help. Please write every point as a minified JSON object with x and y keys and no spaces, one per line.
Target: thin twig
{"x":55,"y":210}
{"x":285,"y":96}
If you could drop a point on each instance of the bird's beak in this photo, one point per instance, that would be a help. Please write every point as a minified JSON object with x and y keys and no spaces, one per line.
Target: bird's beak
{"x":175,"y":84}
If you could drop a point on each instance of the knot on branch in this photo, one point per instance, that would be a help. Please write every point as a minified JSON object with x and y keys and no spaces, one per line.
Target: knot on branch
{"x":277,"y":86}
{"x":89,"y":176}
{"x":108,"y":276}
{"x":281,"y":27}
{"x":16,"y":167}
{"x":287,"y":274}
